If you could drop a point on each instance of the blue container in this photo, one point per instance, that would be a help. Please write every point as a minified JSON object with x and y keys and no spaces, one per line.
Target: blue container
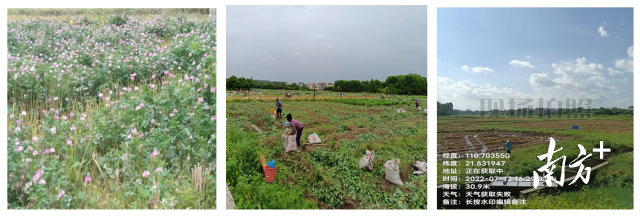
{"x":271,"y":163}
{"x":286,"y":124}
{"x":574,"y":127}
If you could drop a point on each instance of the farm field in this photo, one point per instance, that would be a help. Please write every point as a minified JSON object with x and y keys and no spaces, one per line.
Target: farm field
{"x":269,"y":94}
{"x":530,"y":135}
{"x":326,"y":176}
{"x":111,"y":111}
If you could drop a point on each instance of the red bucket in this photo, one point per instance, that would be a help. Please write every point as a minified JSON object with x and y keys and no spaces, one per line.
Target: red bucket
{"x":270,"y":173}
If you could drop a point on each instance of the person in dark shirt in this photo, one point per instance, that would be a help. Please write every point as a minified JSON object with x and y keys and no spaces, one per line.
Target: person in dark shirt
{"x":279,"y":109}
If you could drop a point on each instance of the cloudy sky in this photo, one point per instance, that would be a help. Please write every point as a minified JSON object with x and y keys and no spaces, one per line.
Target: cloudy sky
{"x":326,"y":43}
{"x":535,"y":53}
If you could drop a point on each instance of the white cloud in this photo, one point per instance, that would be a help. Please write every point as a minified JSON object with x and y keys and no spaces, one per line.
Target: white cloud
{"x":477,"y":69}
{"x":519,"y":63}
{"x":465,"y":90}
{"x":579,"y":67}
{"x":541,"y":79}
{"x":601,"y":30}
{"x":466,"y":94}
{"x":528,"y":57}
{"x":627,"y":63}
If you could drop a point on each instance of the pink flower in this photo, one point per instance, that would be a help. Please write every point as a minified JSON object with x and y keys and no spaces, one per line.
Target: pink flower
{"x":213,"y":89}
{"x":213,"y":118}
{"x":159,"y":169}
{"x":155,"y":153}
{"x":71,"y":115}
{"x":61,"y":194}
{"x":87,"y":179}
{"x":38,"y":175}
{"x":124,"y":107}
{"x":11,"y":116}
{"x":24,"y":113}
{"x":19,"y":149}
{"x":35,"y":138}
{"x":73,"y":127}
{"x":207,"y":108}
{"x":53,"y":130}
{"x":42,"y":182}
{"x":145,"y":174}
{"x":153,"y":120}
{"x":44,"y":112}
{"x":69,"y":143}
{"x":35,"y":152}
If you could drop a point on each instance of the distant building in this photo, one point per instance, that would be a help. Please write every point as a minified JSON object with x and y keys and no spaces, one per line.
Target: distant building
{"x":289,"y":83}
{"x":321,"y":85}
{"x":300,"y":84}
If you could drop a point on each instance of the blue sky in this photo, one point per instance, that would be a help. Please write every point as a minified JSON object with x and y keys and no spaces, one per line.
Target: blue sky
{"x":582,"y":53}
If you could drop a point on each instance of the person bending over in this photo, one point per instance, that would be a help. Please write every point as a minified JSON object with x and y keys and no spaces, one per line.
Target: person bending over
{"x":297,"y":129}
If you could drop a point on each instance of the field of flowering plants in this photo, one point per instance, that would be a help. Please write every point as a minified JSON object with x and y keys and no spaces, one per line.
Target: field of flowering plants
{"x":326,"y":176}
{"x":114,"y":113}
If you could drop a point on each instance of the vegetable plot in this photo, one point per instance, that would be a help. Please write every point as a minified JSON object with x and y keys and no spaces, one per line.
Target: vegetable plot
{"x":326,"y":176}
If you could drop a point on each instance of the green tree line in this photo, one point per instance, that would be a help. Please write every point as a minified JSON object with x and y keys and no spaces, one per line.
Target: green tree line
{"x":411,"y":84}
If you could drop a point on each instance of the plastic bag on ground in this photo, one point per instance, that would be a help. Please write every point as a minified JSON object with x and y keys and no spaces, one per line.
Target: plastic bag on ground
{"x":421,"y":166}
{"x":400,"y":110}
{"x":419,"y":109}
{"x":314,"y":139}
{"x":289,"y":143}
{"x":392,"y":171}
{"x":366,"y":161}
